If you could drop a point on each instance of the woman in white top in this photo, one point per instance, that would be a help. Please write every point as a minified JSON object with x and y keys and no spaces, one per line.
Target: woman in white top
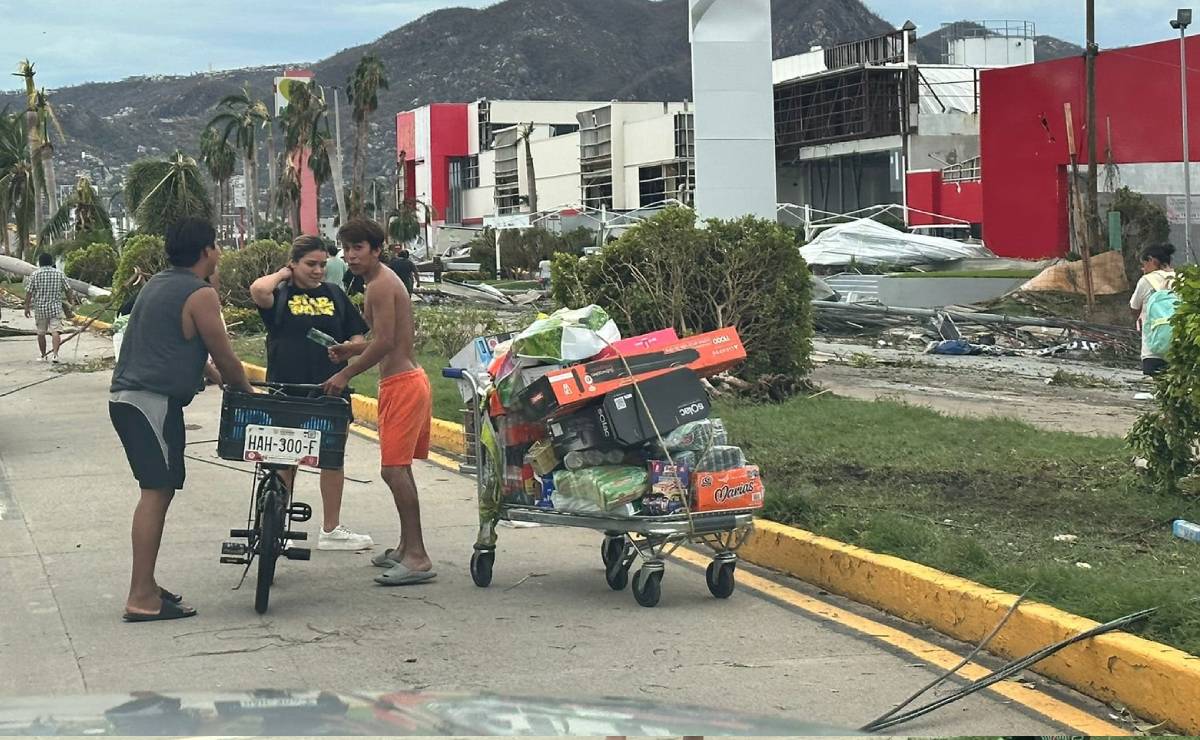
{"x":1157,"y":274}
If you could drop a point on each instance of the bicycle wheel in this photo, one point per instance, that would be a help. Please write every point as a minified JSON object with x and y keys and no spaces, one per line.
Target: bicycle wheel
{"x":270,"y":543}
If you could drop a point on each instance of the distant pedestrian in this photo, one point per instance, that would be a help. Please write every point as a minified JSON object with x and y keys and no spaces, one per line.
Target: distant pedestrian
{"x":439,"y":267}
{"x":1158,"y":277}
{"x":406,"y":269}
{"x":45,"y":291}
{"x":544,"y":274}
{"x":335,"y":267}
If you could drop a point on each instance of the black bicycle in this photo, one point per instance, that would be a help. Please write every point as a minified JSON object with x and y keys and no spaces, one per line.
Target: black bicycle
{"x":289,"y":426}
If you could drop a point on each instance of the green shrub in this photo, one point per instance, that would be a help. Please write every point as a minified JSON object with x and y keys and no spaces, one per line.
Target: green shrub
{"x":242,"y":267}
{"x":275,"y":231}
{"x":1167,"y":436}
{"x":668,"y":272}
{"x":95,"y":264}
{"x":444,"y":331}
{"x":521,"y":251}
{"x":243,"y":321}
{"x":1143,"y":223}
{"x":142,"y":256}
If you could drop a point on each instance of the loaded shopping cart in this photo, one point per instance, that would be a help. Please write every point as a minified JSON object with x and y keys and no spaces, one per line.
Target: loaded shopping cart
{"x":623,"y":443}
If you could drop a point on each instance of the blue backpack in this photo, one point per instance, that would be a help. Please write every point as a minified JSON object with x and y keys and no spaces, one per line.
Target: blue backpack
{"x":1160,"y":307}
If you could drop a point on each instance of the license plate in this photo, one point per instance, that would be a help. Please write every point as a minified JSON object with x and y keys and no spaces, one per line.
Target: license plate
{"x":282,"y":446}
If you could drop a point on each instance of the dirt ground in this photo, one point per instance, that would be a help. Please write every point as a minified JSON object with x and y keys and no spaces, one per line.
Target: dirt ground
{"x":1012,"y":387}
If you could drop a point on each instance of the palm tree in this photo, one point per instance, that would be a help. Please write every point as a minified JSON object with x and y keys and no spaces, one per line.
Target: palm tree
{"x":18,"y":180}
{"x":303,"y":134}
{"x":161,"y":192}
{"x":82,"y":212}
{"x":363,"y":90}
{"x":320,"y":163}
{"x":287,"y":194}
{"x":525,"y":132}
{"x":241,"y":117}
{"x":220,"y":159}
{"x":25,"y":71}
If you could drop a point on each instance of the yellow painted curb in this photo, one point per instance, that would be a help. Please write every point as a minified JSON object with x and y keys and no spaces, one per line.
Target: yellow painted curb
{"x":96,"y":325}
{"x":1151,"y":679}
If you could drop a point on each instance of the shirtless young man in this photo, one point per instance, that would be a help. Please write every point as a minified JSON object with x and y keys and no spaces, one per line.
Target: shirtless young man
{"x":405,"y":397}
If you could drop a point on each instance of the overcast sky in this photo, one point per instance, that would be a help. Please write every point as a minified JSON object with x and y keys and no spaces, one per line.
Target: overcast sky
{"x":74,"y":41}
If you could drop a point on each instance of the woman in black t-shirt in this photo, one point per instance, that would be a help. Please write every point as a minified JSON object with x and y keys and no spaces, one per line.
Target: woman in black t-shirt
{"x":293,"y":301}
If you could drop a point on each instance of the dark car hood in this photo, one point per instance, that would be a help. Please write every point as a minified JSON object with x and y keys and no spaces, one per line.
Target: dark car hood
{"x":276,"y":712}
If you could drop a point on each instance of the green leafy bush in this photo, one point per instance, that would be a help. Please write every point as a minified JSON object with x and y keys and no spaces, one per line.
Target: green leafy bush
{"x":1143,"y":223}
{"x":444,"y":331}
{"x":242,"y":267}
{"x":275,"y":231}
{"x":521,"y":251}
{"x":95,"y":264}
{"x":669,"y":272}
{"x":243,"y":321}
{"x":1167,"y":436}
{"x":142,"y":256}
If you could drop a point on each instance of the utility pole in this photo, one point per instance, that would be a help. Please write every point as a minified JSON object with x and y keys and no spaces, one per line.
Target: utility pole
{"x":1093,"y":186}
{"x":1183,"y":19}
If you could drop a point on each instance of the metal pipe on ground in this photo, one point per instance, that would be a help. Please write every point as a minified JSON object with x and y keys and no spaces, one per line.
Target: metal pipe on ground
{"x":866,"y":309}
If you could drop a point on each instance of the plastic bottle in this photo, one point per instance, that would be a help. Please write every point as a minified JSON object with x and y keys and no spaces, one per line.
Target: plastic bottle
{"x":1186,"y":530}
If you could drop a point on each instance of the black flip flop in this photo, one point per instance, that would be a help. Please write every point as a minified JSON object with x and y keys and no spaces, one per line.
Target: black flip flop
{"x":173,"y":598}
{"x":169,"y":610}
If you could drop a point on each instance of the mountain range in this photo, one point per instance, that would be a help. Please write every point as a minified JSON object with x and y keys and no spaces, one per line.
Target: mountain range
{"x":523,"y":49}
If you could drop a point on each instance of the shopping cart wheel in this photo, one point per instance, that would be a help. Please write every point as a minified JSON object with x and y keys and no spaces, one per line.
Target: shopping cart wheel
{"x":647,"y":586}
{"x":719,"y":576}
{"x":617,"y":572}
{"x":612,"y":549}
{"x":481,"y":567}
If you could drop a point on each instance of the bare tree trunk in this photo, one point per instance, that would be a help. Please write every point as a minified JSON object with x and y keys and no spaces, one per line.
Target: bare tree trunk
{"x":360,"y":166}
{"x":530,"y":173}
{"x":51,"y":179}
{"x":34,"y":146}
{"x":250,"y":168}
{"x":339,"y":186}
{"x":271,"y":214}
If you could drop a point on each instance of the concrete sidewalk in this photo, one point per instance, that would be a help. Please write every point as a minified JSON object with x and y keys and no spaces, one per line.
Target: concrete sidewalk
{"x":548,"y":626}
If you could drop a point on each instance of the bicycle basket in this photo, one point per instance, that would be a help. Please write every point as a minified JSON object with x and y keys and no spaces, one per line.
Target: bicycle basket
{"x":330,"y":416}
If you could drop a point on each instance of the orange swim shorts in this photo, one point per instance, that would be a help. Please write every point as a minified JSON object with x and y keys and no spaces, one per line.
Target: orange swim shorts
{"x":405,"y":413}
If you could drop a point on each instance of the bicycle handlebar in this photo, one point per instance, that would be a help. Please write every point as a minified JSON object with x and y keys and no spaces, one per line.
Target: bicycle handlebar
{"x":454,"y":373}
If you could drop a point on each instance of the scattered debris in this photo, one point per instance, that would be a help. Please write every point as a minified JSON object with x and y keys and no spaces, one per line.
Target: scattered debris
{"x":1066,"y":538}
{"x":1083,"y":566}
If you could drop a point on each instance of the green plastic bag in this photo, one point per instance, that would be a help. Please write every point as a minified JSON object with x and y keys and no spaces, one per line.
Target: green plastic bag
{"x":567,"y":335}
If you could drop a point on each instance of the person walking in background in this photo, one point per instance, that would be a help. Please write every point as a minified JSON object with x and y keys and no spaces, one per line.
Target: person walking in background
{"x":335,"y":268}
{"x":292,"y":302}
{"x":175,"y":325}
{"x":1158,"y":277}
{"x":405,"y":397}
{"x":406,"y":270}
{"x":45,"y":291}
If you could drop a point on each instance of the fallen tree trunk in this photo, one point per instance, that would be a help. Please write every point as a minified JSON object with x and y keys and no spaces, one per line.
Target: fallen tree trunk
{"x":23,"y":269}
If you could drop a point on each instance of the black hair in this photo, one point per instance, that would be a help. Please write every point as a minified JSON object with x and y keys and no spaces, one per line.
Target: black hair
{"x":332,"y":249}
{"x":404,"y":254}
{"x":302,"y":245}
{"x":359,"y":229}
{"x":45,"y":259}
{"x":187,"y":239}
{"x":1161,"y":252}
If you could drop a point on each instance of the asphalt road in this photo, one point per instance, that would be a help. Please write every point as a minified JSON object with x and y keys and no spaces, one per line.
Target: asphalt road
{"x":549,"y":625}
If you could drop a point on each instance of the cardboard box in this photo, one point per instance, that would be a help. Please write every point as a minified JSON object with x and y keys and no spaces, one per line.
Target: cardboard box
{"x":622,"y":420}
{"x":669,"y":484}
{"x":741,"y":488}
{"x":639,"y":345}
{"x":560,"y":392}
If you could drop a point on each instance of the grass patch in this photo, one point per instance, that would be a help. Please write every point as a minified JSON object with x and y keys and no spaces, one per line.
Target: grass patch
{"x":1006,"y":274}
{"x":983,"y":499}
{"x":87,"y":309}
{"x":447,"y":403}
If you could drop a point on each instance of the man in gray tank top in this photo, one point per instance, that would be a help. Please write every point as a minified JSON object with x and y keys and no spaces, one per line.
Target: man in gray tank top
{"x":175,"y":325}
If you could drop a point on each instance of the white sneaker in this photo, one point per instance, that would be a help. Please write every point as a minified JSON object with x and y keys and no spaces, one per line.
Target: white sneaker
{"x":343,"y":539}
{"x":54,"y":359}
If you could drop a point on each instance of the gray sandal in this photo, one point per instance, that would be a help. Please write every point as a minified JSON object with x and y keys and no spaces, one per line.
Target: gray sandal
{"x":400,"y":575}
{"x":384,"y":559}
